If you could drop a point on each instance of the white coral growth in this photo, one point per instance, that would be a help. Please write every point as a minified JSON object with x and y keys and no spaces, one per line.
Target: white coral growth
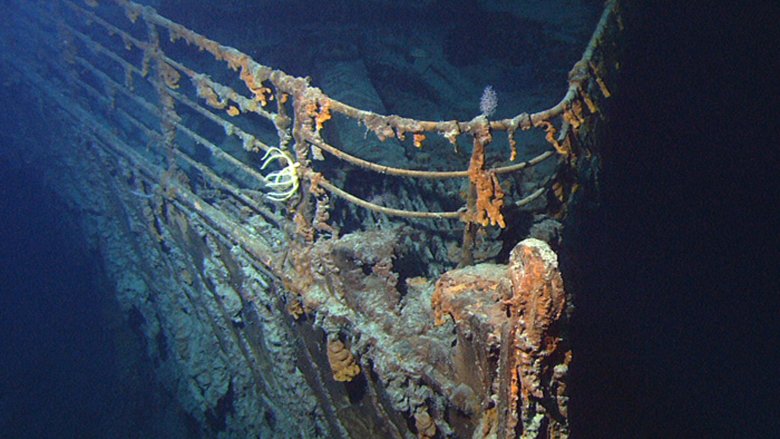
{"x":283,"y":183}
{"x":488,"y":102}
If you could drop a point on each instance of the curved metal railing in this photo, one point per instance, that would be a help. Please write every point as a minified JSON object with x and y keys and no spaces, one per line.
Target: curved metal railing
{"x":297,"y":113}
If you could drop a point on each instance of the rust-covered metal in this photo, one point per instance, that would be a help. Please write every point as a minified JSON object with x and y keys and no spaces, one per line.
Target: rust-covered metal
{"x":233,"y":248}
{"x":511,"y":322}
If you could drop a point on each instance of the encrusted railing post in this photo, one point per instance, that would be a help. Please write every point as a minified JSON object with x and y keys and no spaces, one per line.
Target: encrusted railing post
{"x":535,"y":355}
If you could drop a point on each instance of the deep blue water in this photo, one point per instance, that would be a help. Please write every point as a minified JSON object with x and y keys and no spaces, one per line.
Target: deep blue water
{"x":674,"y":333}
{"x":70,"y":367}
{"x":57,"y":368}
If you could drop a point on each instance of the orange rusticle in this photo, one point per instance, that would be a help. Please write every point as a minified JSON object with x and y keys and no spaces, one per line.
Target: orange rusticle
{"x":600,"y":81}
{"x":418,"y":139}
{"x":240,"y":62}
{"x":323,"y":115}
{"x":233,"y":111}
{"x":311,"y":108}
{"x":490,"y":196}
{"x":572,"y":114}
{"x":213,"y":100}
{"x":169,"y":75}
{"x":512,"y":145}
{"x":319,"y":110}
{"x":342,"y":363}
{"x":490,"y":199}
{"x":262,"y":93}
{"x":551,"y":133}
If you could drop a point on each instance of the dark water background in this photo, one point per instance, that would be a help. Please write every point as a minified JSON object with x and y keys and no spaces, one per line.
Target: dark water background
{"x":674,"y":334}
{"x":676,"y":329}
